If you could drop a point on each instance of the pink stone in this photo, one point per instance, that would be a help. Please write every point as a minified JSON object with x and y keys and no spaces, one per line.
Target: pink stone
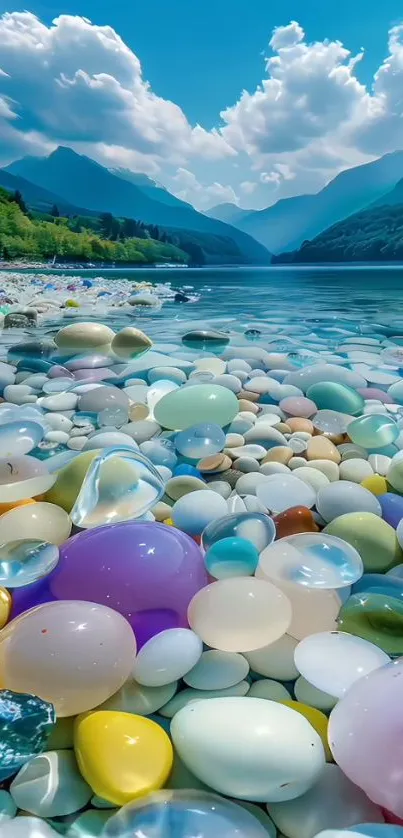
{"x":375,"y":393}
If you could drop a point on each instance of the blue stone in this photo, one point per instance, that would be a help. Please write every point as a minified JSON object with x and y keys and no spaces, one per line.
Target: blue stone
{"x":186,"y":468}
{"x":26,"y":722}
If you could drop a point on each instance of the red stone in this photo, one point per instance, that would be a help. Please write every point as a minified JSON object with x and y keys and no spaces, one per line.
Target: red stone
{"x":294,"y":520}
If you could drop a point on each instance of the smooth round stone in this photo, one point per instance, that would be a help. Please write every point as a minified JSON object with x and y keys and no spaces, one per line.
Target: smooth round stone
{"x":355,"y":470}
{"x":25,"y":561}
{"x":231,"y":557}
{"x":217,"y":671}
{"x":190,"y":696}
{"x":248,"y":748}
{"x":254,"y":527}
{"x":375,"y":617}
{"x":121,"y":755}
{"x":214,"y":365}
{"x":257,"y":452}
{"x":394,"y":474}
{"x":141,"y":430}
{"x":331,"y":422}
{"x":392,"y":508}
{"x":350,"y":451}
{"x":313,"y":560}
{"x":200,"y":441}
{"x":308,"y":694}
{"x":177,"y":487}
{"x":88,"y":361}
{"x":208,"y":403}
{"x":281,"y":492}
{"x":23,"y":477}
{"x":329,"y":395}
{"x":130,"y":342}
{"x":333,"y":661}
{"x":167,"y":657}
{"x":194,"y":511}
{"x":221,"y":487}
{"x":109,"y":439}
{"x":19,"y":438}
{"x":373,"y":538}
{"x":57,"y":436}
{"x":316,"y":718}
{"x":59,"y":401}
{"x":265,"y":435}
{"x":321,"y":448}
{"x":307,"y":376}
{"x":345,"y":497}
{"x":78,"y":336}
{"x":246,"y":465}
{"x":279,"y":454}
{"x":161,"y":452}
{"x":275,"y":660}
{"x":373,"y":431}
{"x":103,"y":397}
{"x":295,"y":520}
{"x":24,"y":826}
{"x":298,"y":406}
{"x":334,"y":801}
{"x":140,"y":700}
{"x":312,"y":477}
{"x":37,"y":521}
{"x":231,"y":614}
{"x":208,"y":337}
{"x":270,"y":690}
{"x":214,"y":464}
{"x":230,"y":381}
{"x":50,"y":785}
{"x":19,"y":394}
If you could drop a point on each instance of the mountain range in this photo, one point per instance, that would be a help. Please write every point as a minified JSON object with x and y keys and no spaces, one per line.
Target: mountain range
{"x":285,"y":225}
{"x":72,"y":181}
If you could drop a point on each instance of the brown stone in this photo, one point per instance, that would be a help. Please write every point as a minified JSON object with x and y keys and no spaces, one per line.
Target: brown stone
{"x":278,"y":454}
{"x":248,"y":395}
{"x":250,"y":407}
{"x":321,"y":448}
{"x":299,"y":424}
{"x":294,"y":520}
{"x":217,"y":462}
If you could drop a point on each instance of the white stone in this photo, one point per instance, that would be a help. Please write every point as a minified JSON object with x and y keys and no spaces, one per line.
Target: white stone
{"x":355,"y":470}
{"x":60,"y":401}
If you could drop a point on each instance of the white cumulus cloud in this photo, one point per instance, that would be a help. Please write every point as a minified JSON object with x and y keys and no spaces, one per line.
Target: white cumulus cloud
{"x":184,"y":184}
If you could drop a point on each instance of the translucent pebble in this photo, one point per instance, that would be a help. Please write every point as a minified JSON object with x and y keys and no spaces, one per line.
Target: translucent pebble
{"x":19,"y":438}
{"x":23,"y":477}
{"x":115,"y":415}
{"x":102,"y":397}
{"x":249,"y":748}
{"x":110,"y":439}
{"x":27,"y":827}
{"x":356,"y":470}
{"x":231,"y":557}
{"x":217,"y":670}
{"x":276,"y":660}
{"x":313,"y":560}
{"x":332,"y":802}
{"x":330,"y":395}
{"x":50,"y":785}
{"x":231,"y":614}
{"x":373,"y":431}
{"x":281,"y":492}
{"x":161,"y":452}
{"x":255,"y":527}
{"x":333,"y":661}
{"x":298,"y":406}
{"x":194,"y":511}
{"x":26,"y":560}
{"x":188,"y":405}
{"x":70,"y":653}
{"x":331,"y":422}
{"x":314,"y":373}
{"x":345,"y":497}
{"x":38,"y":521}
{"x":168,"y":656}
{"x":182,"y":814}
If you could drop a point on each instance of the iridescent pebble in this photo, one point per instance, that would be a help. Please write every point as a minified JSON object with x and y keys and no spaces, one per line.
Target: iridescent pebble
{"x":345,"y":496}
{"x":313,"y":477}
{"x":373,"y":538}
{"x":355,"y":470}
{"x":320,"y":448}
{"x":298,"y":406}
{"x":217,"y":670}
{"x":279,"y":454}
{"x":270,"y":690}
{"x":278,"y":493}
{"x":188,"y":696}
{"x":192,"y":512}
{"x":50,"y":785}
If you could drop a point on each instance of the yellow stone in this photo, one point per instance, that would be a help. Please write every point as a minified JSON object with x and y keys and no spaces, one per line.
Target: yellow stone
{"x":376,"y":484}
{"x":122,"y":756}
{"x":5,"y":606}
{"x":130,"y":342}
{"x":69,"y":481}
{"x":321,"y":448}
{"x":317,"y":719}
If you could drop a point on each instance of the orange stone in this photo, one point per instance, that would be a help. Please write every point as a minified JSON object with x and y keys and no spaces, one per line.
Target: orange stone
{"x":298,"y":424}
{"x":294,"y":520}
{"x":321,"y":448}
{"x":5,"y":507}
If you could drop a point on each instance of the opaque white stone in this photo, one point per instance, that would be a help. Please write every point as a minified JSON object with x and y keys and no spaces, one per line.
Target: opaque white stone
{"x":168,"y":656}
{"x":270,"y":690}
{"x":355,"y":470}
{"x":332,"y":661}
{"x":308,"y":694}
{"x":217,"y":670}
{"x":276,"y":660}
{"x":191,"y":696}
{"x":343,"y":497}
{"x":281,"y":493}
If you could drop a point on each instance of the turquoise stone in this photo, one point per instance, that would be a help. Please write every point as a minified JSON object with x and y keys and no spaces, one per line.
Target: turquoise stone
{"x":330,"y":395}
{"x":373,"y":431}
{"x":26,"y":560}
{"x":231,"y":557}
{"x":25,"y":725}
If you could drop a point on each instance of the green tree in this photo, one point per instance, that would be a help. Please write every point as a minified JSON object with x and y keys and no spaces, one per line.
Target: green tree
{"x":17,"y":197}
{"x":55,"y":211}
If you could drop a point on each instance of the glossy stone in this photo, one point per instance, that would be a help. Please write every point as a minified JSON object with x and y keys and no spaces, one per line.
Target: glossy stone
{"x":332,"y":661}
{"x":37,"y":521}
{"x":313,"y":560}
{"x":255,"y":527}
{"x":294,"y":520}
{"x":373,"y":431}
{"x":329,"y":395}
{"x":196,"y":510}
{"x":168,"y":656}
{"x":102,"y":397}
{"x":26,"y":560}
{"x":23,"y":477}
{"x":78,"y":336}
{"x":200,"y":441}
{"x":343,"y":497}
{"x":231,"y":557}
{"x":186,"y":406}
{"x":373,"y":538}
{"x":375,"y":617}
{"x":279,"y":492}
{"x":130,"y":342}
{"x":50,"y":785}
{"x":205,"y":339}
{"x":26,"y":723}
{"x":217,"y":670}
{"x":392,"y":508}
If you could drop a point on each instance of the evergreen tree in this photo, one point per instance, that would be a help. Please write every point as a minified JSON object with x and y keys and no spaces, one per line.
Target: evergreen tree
{"x":17,"y":197}
{"x":55,"y":211}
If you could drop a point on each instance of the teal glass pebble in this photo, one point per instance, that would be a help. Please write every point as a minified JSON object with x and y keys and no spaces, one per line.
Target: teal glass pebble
{"x":200,"y":441}
{"x":330,"y":395}
{"x":26,"y":722}
{"x":231,"y":557}
{"x":25,"y":561}
{"x":8,"y":809}
{"x":375,"y":430}
{"x":199,"y":403}
{"x":255,"y":527}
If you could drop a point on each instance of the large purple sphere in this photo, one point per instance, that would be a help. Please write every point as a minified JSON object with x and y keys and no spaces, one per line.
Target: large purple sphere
{"x":148,"y":572}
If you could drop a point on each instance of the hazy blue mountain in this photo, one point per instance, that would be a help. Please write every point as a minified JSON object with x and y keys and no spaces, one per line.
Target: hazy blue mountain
{"x":228,"y":212}
{"x":36,"y":197}
{"x":395,"y":196}
{"x":79,"y":180}
{"x":289,"y":222}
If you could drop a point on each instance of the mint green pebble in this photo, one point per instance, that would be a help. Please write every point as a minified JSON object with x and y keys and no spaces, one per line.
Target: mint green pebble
{"x":374,"y":430}
{"x":90,"y":824}
{"x":195,"y":404}
{"x":330,"y":395}
{"x":8,"y":809}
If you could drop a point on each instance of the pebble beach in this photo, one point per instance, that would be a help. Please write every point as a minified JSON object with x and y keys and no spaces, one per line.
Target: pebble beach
{"x":201,"y":564}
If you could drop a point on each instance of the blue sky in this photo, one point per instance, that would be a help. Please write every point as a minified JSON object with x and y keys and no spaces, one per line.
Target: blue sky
{"x":318,"y":114}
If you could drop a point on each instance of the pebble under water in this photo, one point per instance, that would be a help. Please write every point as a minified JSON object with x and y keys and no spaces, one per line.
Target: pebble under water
{"x":201,"y":554}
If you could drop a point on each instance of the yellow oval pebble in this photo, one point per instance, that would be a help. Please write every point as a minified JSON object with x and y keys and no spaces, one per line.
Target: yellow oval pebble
{"x":169,"y":522}
{"x":376,"y":484}
{"x":5,"y":606}
{"x":317,"y":719}
{"x":122,"y":756}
